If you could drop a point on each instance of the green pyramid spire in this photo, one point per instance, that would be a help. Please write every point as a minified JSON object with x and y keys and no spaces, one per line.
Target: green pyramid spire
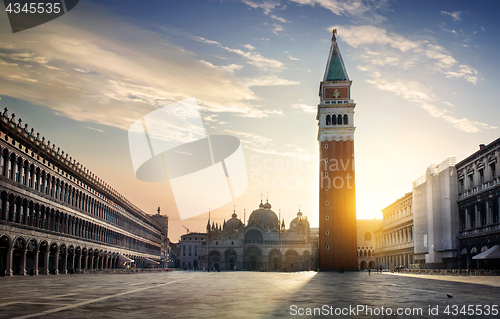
{"x":336,"y":69}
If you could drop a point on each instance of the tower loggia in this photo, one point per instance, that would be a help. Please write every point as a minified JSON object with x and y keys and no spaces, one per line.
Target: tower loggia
{"x":337,"y":193}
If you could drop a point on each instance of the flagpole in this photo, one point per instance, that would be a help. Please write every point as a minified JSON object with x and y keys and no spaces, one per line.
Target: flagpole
{"x":279,"y":239}
{"x":208,"y":257}
{"x":244,"y":239}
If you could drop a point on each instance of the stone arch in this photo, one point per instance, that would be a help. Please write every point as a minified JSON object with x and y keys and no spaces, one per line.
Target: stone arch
{"x":307,"y":260}
{"x":275,"y":260}
{"x":5,"y":162}
{"x":291,"y":261}
{"x":3,"y":205}
{"x":84,"y":259}
{"x":362,"y":265}
{"x":253,"y":258}
{"x":254,"y":236}
{"x":5,"y":251}
{"x":328,"y":119}
{"x":32,"y":256}
{"x":43,"y":257}
{"x":54,"y":258}
{"x":63,"y":259}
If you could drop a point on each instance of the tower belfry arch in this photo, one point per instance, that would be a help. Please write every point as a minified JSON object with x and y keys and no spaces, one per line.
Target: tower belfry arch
{"x":337,"y":194}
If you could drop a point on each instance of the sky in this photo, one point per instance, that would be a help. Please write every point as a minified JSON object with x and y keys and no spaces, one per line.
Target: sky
{"x":425,"y":84}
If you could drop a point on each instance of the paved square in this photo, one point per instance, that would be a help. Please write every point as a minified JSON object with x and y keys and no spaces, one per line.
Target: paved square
{"x":184,"y":294}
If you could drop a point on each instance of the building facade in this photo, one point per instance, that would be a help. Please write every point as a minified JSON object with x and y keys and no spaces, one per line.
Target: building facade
{"x":58,"y":217}
{"x":394,"y":239}
{"x":162,"y":220}
{"x":337,"y":196}
{"x":435,"y":213}
{"x":262,"y":244}
{"x":366,"y":242}
{"x":190,"y":247}
{"x":478,"y":212}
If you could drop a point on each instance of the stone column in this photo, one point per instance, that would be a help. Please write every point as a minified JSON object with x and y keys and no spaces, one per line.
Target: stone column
{"x":14,"y":170}
{"x":72,"y":262}
{"x":46,"y":263}
{"x":489,"y":214}
{"x":64,"y":263}
{"x":6,"y":165}
{"x":56,"y":263}
{"x":35,"y":261}
{"x":8,"y":270}
{"x":467,"y":218}
{"x":78,"y":264}
{"x":476,"y":216}
{"x":23,"y":263}
{"x":91,"y":263}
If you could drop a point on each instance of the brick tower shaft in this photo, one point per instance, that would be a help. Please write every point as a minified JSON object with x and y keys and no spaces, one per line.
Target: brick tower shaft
{"x":337,"y":195}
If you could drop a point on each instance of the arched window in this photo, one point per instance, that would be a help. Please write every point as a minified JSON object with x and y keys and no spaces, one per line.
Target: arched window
{"x":328,"y":119}
{"x":368,"y":236}
{"x":339,"y":119}
{"x":346,"y":120}
{"x":334,"y":119}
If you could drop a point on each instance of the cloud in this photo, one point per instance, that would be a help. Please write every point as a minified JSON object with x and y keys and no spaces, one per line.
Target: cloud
{"x":248,"y":46}
{"x":418,"y":94}
{"x":305,"y":108}
{"x":266,"y":5}
{"x":280,"y":19}
{"x":379,"y":46}
{"x":231,"y":68}
{"x":277,"y":28}
{"x":358,"y":9}
{"x":455,"y":15}
{"x":255,"y":58}
{"x":98,"y":75}
{"x":390,"y":59}
{"x":265,"y":145}
{"x":269,"y":80}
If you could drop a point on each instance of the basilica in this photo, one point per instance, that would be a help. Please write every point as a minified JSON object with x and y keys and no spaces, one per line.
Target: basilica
{"x":263,"y":243}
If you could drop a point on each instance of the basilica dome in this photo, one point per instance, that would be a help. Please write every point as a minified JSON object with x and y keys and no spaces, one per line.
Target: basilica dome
{"x":233,"y":224}
{"x":300,"y":224}
{"x":264,"y":217}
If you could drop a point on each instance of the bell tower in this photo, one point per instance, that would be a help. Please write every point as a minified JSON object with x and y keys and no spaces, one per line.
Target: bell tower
{"x":337,"y":193}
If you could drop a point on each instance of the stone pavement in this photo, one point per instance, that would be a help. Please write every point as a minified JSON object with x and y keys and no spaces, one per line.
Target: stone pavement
{"x":189,"y":294}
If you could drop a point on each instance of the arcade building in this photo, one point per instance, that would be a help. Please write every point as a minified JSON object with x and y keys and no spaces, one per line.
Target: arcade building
{"x":58,"y":217}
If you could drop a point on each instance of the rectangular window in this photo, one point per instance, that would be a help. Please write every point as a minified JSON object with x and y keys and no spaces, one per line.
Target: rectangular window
{"x":493,"y":170}
{"x":471,"y":180}
{"x":481,"y":176}
{"x":461,"y":185}
{"x":495,"y":211}
{"x":462,"y":220}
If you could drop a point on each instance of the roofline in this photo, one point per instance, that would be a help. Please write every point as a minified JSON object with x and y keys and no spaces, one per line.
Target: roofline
{"x":483,"y":150}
